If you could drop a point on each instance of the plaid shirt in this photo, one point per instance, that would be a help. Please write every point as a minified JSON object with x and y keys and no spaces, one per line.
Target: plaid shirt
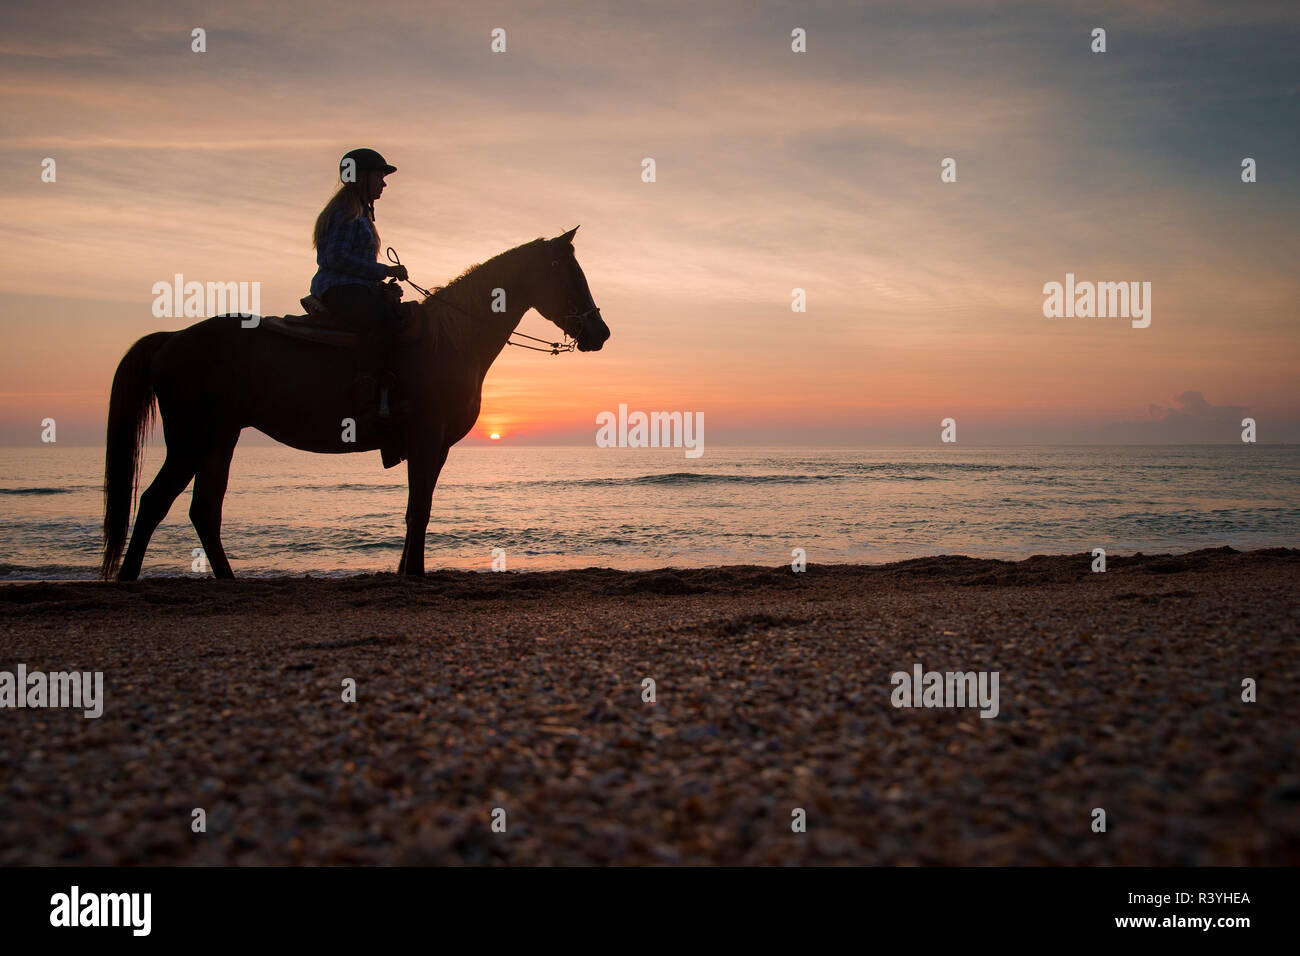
{"x":348,"y":255}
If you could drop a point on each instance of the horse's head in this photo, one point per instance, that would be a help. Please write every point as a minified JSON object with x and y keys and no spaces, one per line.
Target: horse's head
{"x":564,"y":297}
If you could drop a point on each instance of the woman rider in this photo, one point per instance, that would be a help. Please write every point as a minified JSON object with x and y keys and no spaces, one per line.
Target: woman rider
{"x":350,"y":279}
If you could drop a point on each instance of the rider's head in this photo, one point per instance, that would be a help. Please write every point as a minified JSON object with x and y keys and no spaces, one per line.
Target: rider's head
{"x":361,"y":175}
{"x":366,"y":169}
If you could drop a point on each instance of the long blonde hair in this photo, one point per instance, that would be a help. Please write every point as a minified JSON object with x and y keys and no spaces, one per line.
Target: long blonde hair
{"x":349,"y":199}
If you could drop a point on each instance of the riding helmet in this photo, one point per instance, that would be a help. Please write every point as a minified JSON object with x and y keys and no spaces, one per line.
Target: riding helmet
{"x":366,"y":160}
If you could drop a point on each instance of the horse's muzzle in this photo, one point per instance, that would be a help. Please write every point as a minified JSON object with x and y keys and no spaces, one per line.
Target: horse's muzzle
{"x":593,"y":334}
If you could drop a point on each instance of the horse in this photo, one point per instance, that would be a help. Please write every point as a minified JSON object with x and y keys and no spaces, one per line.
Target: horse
{"x":219,"y":376}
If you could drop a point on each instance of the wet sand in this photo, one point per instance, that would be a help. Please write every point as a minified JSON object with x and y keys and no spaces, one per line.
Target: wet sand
{"x":478,"y":691}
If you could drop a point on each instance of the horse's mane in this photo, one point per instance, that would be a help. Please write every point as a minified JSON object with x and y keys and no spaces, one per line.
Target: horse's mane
{"x":471,"y":274}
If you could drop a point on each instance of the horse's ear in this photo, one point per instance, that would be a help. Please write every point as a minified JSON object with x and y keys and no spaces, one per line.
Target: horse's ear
{"x":568,"y":236}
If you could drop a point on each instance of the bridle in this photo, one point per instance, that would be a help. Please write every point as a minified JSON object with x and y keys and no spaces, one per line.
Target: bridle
{"x":570,"y":342}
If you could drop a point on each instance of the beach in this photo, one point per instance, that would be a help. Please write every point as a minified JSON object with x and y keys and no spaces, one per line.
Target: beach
{"x":503,"y":718}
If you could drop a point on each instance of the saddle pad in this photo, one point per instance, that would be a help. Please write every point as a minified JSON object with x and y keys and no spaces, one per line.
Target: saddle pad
{"x":312,"y":329}
{"x":327,"y":330}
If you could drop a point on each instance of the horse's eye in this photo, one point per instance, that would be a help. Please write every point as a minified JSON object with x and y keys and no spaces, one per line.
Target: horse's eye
{"x":555,"y":262}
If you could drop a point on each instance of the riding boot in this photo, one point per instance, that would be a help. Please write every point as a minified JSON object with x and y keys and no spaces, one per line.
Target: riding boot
{"x":385,"y":386}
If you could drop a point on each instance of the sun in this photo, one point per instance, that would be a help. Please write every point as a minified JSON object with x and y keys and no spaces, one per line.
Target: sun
{"x":495,"y":436}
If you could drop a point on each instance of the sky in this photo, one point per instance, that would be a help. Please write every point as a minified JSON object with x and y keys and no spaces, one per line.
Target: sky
{"x":775,"y":170}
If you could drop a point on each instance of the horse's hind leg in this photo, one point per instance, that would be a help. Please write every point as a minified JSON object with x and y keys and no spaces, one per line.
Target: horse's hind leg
{"x":175,"y":474}
{"x":205,"y":508}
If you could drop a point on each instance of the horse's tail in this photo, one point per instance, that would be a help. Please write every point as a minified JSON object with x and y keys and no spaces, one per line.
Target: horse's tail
{"x":130,"y":416}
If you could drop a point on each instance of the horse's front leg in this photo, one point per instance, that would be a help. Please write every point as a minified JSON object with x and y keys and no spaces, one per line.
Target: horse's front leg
{"x":422,"y":470}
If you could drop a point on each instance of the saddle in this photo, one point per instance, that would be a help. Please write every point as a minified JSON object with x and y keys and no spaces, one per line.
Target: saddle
{"x":328,"y":328}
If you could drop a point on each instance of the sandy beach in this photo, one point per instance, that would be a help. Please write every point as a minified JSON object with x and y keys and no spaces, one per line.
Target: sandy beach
{"x":524,"y":692}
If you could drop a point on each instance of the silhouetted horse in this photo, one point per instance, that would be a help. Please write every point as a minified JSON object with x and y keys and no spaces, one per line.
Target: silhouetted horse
{"x":217,"y":377}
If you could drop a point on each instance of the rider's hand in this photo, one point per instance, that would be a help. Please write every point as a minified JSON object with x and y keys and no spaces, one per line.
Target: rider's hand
{"x":397,"y":272}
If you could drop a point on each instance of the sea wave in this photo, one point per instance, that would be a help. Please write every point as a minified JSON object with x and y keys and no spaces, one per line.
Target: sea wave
{"x":691,"y":478}
{"x":669,"y":479}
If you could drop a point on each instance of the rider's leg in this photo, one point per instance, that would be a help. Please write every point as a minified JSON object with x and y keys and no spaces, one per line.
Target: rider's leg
{"x":385,"y":333}
{"x":366,"y":309}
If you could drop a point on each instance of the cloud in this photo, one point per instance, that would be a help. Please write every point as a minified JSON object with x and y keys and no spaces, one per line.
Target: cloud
{"x":1191,"y":419}
{"x":1192,"y":408}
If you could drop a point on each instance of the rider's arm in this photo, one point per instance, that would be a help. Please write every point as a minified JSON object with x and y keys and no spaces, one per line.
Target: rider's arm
{"x":348,"y":248}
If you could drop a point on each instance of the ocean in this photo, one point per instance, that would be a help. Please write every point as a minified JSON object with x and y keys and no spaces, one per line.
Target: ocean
{"x":545,"y":508}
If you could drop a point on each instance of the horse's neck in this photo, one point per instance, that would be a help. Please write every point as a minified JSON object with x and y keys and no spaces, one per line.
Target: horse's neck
{"x":470,"y":326}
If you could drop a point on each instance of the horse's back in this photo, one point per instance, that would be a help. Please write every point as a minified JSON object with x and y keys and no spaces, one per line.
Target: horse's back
{"x":228,"y":368}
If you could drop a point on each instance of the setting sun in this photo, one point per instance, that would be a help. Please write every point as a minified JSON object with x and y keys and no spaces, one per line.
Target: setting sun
{"x":495,"y":436}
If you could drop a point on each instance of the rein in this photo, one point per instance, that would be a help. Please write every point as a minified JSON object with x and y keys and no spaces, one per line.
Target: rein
{"x":554,"y":348}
